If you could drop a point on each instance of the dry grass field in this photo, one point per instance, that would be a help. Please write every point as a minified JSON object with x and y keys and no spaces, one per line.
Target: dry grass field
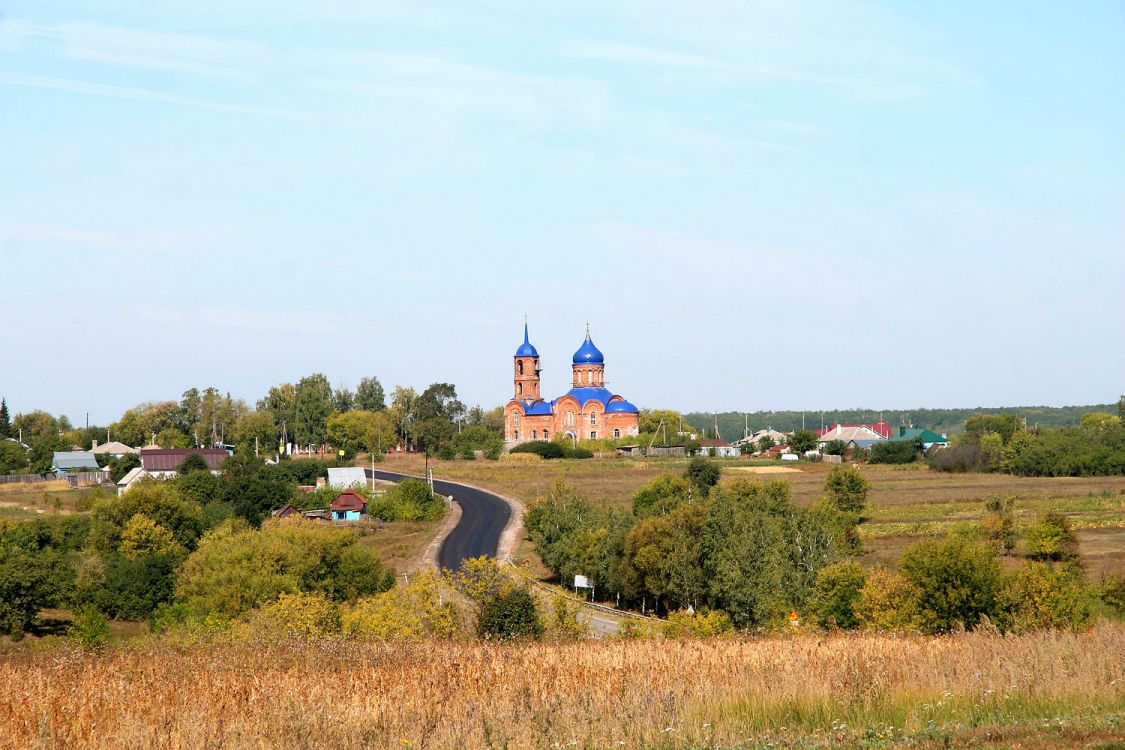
{"x":1048,"y":690}
{"x":904,"y":504}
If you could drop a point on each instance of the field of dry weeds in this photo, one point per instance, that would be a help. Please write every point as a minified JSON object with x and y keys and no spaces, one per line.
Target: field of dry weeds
{"x":1043,"y":690}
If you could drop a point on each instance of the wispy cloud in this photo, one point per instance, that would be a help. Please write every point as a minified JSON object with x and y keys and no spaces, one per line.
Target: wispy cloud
{"x":136,"y":94}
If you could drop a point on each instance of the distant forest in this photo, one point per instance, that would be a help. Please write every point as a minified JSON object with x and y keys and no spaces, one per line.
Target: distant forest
{"x":947,"y":421}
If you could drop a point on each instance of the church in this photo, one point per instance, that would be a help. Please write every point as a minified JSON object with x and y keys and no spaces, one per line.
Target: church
{"x":588,"y":411}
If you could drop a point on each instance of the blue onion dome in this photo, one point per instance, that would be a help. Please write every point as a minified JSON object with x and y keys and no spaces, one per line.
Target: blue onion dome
{"x":526,"y":349}
{"x":621,"y":407}
{"x":588,"y":354}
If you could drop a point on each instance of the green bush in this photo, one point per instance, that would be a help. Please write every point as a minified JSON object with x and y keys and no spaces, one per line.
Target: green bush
{"x":956,"y":580}
{"x":703,"y":474}
{"x":894,"y":452}
{"x":510,"y":614}
{"x":89,"y":628}
{"x":409,"y":500}
{"x":847,"y":488}
{"x":540,"y":448}
{"x":1040,"y":596}
{"x":578,"y":452}
{"x":836,"y":594}
{"x":1051,"y":539}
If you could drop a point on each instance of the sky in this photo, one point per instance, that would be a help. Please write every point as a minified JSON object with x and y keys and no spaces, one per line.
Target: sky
{"x":754,"y":205}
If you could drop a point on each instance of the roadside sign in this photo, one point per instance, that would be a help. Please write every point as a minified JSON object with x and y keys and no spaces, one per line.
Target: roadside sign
{"x":582,"y":582}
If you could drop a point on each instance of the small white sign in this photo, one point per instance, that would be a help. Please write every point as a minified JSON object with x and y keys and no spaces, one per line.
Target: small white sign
{"x":582,"y":582}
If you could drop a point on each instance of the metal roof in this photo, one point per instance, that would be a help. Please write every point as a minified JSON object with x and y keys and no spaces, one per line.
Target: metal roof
{"x":169,"y":459}
{"x":113,"y":448}
{"x":588,"y":354}
{"x":526,"y":349}
{"x":585,"y":393}
{"x":346,"y":476}
{"x":64,"y":460}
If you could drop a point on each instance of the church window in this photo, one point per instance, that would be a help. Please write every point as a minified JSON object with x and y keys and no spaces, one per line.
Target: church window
{"x":519,"y":388}
{"x":546,"y":435}
{"x":593,"y":417}
{"x":519,"y":366}
{"x":517,"y":434}
{"x":593,"y":434}
{"x":570,"y":418}
{"x":616,"y":433}
{"x":516,"y":419}
{"x":533,"y":434}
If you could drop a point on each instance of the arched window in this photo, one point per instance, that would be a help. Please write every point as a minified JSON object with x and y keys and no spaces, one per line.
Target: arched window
{"x":519,"y":366}
{"x":587,"y":377}
{"x":616,"y":432}
{"x":533,"y":434}
{"x":593,"y":417}
{"x":516,"y":420}
{"x":570,"y":418}
{"x":546,"y":435}
{"x":519,"y":388}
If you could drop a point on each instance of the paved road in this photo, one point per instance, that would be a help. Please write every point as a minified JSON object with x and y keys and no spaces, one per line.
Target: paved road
{"x":483,"y":518}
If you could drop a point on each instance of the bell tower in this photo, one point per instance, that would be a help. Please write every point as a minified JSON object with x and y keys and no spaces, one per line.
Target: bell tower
{"x":526,"y":370}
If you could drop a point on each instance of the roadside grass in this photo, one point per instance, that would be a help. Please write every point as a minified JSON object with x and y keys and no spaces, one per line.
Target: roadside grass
{"x":399,"y":543}
{"x":49,"y":497}
{"x":1041,"y":690}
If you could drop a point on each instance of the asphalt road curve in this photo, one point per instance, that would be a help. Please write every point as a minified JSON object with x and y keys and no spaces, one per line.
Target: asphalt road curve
{"x":483,"y":518}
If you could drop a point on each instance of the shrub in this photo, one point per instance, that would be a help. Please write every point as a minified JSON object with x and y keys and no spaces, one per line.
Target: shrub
{"x":1112,"y":592}
{"x":298,"y":615}
{"x":89,"y":628}
{"x":510,"y":614}
{"x":579,"y":452}
{"x":1040,"y":596}
{"x":685,"y":624}
{"x":130,"y":588}
{"x":236,"y":569}
{"x":193,"y":462}
{"x":446,"y":453}
{"x":703,"y":474}
{"x":522,"y":458}
{"x":956,"y":580}
{"x":160,"y":502}
{"x":847,"y":488}
{"x":409,"y":500}
{"x":563,"y":624}
{"x":886,"y":601}
{"x":837,"y":592}
{"x":412,"y":612}
{"x":894,"y":452}
{"x":958,"y":458}
{"x":541,"y":448}
{"x":24,"y":589}
{"x":1051,"y":538}
{"x":831,"y":448}
{"x":998,"y":524}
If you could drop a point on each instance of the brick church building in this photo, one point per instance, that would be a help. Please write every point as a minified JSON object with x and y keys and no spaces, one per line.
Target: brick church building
{"x":587,"y":411}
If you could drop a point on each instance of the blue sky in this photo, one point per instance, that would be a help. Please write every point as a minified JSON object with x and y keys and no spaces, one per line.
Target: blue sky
{"x":754,"y":205}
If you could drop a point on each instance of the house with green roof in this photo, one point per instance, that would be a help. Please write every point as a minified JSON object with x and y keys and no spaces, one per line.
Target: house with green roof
{"x":928,"y":438}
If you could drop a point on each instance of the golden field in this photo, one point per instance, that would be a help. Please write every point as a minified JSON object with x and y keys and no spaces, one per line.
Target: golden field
{"x":800,"y":690}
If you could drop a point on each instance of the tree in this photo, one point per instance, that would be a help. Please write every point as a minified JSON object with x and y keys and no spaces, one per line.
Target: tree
{"x":281,"y":402}
{"x":661,"y":496}
{"x":802,"y":440}
{"x":956,"y":581}
{"x":311,"y":407}
{"x":160,"y":502}
{"x":703,"y":475}
{"x":837,"y":592}
{"x":24,"y":589}
{"x":193,"y":462}
{"x":35,"y":424}
{"x":1004,"y":425}
{"x":886,"y":602}
{"x":894,"y":452}
{"x":13,"y":456}
{"x":251,"y":489}
{"x":663,"y":557}
{"x":1050,"y":538}
{"x":510,"y":614}
{"x":257,"y":430}
{"x":5,"y":420}
{"x":237,"y":569}
{"x":360,"y":430}
{"x":1040,"y":596}
{"x":435,"y":412}
{"x":998,"y":524}
{"x":142,"y":536}
{"x":847,"y":488}
{"x":369,"y":395}
{"x":765,"y":443}
{"x":835,"y":448}
{"x":42,"y":452}
{"x":201,"y":487}
{"x":343,"y":400}
{"x":122,"y":465}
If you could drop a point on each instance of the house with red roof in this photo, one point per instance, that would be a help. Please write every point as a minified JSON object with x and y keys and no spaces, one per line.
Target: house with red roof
{"x":349,"y":505}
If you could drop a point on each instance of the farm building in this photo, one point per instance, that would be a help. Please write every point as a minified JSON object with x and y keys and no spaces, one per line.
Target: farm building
{"x":163,"y":463}
{"x":878,"y":430}
{"x":718,"y":448}
{"x":68,"y":462}
{"x":112,"y":448}
{"x":928,"y":438}
{"x":349,"y":505}
{"x":347,"y":476}
{"x":778,"y":438}
{"x":285,"y":511}
{"x":126,"y":482}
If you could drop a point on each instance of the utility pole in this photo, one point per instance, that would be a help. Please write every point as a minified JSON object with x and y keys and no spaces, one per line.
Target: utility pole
{"x":255,"y":446}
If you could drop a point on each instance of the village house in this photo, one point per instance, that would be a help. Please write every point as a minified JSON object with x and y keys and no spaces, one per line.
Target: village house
{"x":349,"y":505}
{"x":70,"y":462}
{"x":112,"y":449}
{"x":163,"y":463}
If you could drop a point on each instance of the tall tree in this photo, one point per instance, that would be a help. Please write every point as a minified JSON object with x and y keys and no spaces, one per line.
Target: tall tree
{"x":5,"y":420}
{"x":312,"y":405}
{"x":437,"y":410}
{"x":369,"y":395}
{"x":343,"y":400}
